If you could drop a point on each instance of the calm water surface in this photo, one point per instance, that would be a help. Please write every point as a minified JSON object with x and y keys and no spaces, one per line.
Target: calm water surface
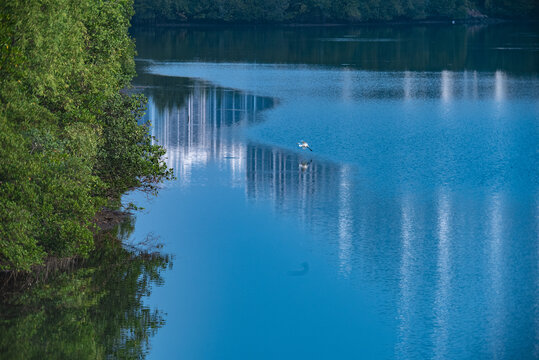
{"x":411,"y":231}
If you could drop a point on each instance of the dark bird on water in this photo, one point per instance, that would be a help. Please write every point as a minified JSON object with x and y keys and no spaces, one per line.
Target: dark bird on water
{"x":304,"y":270}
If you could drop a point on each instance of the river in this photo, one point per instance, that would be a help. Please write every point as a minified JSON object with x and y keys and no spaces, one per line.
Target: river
{"x":410,"y":231}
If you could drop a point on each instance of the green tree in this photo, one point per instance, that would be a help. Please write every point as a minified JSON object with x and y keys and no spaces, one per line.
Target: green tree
{"x":63,"y":67}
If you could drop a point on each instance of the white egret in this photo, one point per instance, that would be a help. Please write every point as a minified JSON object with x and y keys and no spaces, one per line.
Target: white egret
{"x":303,"y":144}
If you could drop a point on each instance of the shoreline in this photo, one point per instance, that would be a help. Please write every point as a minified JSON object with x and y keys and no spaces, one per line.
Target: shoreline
{"x":16,"y":281}
{"x":424,"y":22}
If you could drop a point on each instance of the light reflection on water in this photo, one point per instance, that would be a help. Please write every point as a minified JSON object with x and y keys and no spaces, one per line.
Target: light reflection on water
{"x":405,"y":303}
{"x":443,"y":283}
{"x":496,"y":265}
{"x":437,"y":261}
{"x":192,"y":133}
{"x":345,"y":222}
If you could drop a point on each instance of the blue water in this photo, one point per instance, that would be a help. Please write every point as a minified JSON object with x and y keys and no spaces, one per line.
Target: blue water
{"x":411,"y":231}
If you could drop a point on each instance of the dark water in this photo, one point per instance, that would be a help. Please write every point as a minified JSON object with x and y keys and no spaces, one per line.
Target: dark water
{"x":411,"y":231}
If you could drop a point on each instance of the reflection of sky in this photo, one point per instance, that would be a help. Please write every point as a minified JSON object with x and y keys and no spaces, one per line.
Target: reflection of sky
{"x":413,"y":213}
{"x":348,"y":115}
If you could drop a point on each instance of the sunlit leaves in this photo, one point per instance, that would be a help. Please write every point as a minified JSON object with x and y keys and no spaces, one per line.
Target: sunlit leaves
{"x":63,"y":120}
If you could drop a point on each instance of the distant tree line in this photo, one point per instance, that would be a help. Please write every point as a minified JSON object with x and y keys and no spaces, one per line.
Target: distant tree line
{"x":324,"y":11}
{"x":70,"y":139}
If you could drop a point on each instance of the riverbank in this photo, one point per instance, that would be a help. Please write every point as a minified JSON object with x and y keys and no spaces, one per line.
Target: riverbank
{"x":468,"y":21}
{"x":72,"y":142}
{"x":15,"y":282}
{"x":90,"y":308}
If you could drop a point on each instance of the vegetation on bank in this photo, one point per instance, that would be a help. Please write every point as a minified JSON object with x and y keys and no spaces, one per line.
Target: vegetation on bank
{"x":71,"y":139}
{"x":324,"y":11}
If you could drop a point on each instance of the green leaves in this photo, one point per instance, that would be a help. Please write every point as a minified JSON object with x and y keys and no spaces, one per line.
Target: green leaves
{"x":71,"y":142}
{"x":127,"y":157}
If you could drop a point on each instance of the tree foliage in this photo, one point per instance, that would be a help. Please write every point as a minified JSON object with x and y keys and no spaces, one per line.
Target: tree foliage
{"x":320,"y":11}
{"x":70,"y":137}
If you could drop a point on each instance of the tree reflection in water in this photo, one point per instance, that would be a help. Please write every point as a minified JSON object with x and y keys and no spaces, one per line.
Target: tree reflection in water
{"x":95,"y":311}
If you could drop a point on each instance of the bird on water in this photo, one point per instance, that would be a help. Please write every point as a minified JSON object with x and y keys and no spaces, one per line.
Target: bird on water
{"x":303,"y":144}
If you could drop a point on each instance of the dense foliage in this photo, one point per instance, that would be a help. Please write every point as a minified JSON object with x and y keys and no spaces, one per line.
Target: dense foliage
{"x":71,"y":142}
{"x":320,"y":11}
